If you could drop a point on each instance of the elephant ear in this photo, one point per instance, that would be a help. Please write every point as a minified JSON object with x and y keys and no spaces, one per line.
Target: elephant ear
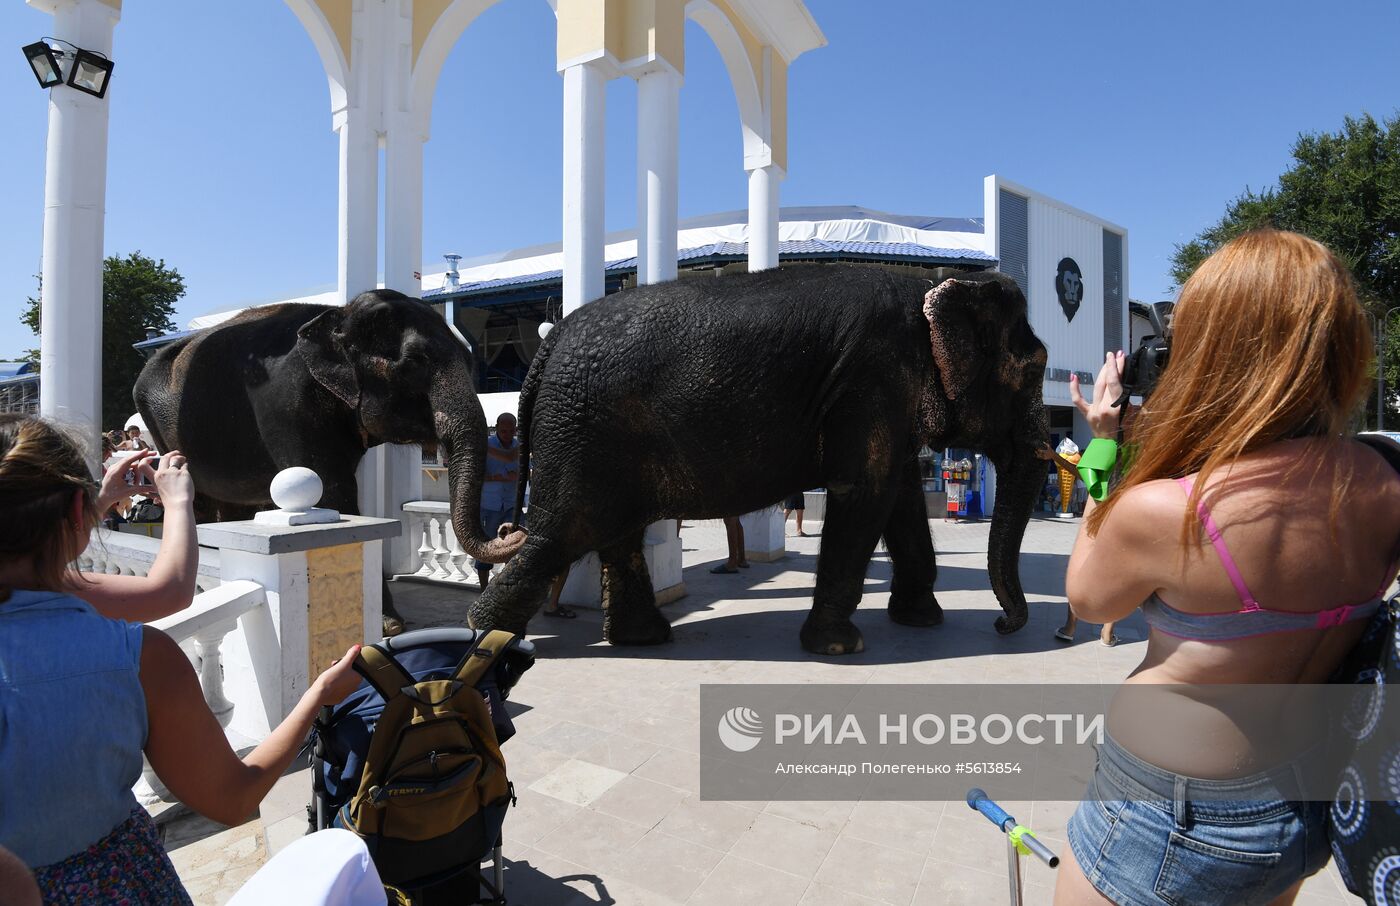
{"x":951,"y":310}
{"x":321,"y":345}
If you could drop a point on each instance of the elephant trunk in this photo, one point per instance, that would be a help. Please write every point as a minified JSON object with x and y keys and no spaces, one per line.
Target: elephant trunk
{"x":461,"y":429}
{"x":1020,"y":479}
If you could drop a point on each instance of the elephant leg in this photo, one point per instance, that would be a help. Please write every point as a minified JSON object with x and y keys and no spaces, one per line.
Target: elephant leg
{"x":522,"y":586}
{"x":910,"y":544}
{"x":854,"y":520}
{"x":630,"y":614}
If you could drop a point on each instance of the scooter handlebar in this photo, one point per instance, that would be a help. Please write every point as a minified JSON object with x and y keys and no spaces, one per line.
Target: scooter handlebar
{"x":977,"y":800}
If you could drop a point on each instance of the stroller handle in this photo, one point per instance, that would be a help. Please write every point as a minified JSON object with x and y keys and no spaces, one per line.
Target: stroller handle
{"x":1024,"y":839}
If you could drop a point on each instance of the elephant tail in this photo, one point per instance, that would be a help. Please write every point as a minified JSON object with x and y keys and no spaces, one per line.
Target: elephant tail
{"x":528,"y":390}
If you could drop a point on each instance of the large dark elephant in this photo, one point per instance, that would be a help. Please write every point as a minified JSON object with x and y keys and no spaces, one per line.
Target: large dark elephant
{"x":708,"y":398}
{"x":307,"y":385}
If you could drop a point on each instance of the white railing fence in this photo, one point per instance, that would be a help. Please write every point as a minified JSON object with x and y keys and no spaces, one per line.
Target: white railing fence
{"x":125,"y":554}
{"x":200,"y":630}
{"x":428,"y":530}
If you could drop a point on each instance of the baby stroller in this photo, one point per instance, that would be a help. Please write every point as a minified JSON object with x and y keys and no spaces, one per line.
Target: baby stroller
{"x":427,"y":793}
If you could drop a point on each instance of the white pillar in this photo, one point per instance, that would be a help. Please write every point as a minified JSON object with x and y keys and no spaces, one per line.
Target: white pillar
{"x":585,"y":95}
{"x":403,"y":211}
{"x":402,"y":475}
{"x":359,"y":255}
{"x":658,"y":141}
{"x":358,"y":248}
{"x":763,"y":217}
{"x":75,"y":199}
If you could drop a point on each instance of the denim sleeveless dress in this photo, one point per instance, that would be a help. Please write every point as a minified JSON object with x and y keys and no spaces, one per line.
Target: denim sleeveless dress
{"x":72,"y":728}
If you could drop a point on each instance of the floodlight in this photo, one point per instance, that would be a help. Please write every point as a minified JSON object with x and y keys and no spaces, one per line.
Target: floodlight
{"x":55,"y":62}
{"x":91,"y":73}
{"x":44,"y":61}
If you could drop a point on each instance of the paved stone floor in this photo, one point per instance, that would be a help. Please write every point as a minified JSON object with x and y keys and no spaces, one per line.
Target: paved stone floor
{"x":606,"y":766}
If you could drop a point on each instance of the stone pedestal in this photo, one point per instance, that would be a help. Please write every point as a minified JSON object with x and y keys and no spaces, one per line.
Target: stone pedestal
{"x":764,"y":537}
{"x":324,"y":593}
{"x":662,"y":550}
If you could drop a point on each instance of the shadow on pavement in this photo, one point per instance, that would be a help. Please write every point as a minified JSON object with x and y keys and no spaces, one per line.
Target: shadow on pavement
{"x":748,"y":632}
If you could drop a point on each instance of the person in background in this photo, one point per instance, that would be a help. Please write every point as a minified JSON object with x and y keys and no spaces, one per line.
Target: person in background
{"x":795,"y":504}
{"x":1258,"y":539}
{"x":734,"y":538}
{"x":133,"y":439}
{"x":498,"y":490}
{"x":84,"y":693}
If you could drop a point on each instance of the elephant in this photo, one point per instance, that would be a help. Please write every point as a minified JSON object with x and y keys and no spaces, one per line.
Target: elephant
{"x":316,"y":386}
{"x":707,"y":398}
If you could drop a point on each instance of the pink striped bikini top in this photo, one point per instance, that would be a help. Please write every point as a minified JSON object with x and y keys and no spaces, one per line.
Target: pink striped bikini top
{"x":1251,"y":619}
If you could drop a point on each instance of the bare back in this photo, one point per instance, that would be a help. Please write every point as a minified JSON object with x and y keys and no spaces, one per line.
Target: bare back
{"x":1273,"y":513}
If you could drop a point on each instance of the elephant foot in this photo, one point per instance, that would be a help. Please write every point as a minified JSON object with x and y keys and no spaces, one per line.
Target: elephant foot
{"x":831,"y":638}
{"x":918,"y":610}
{"x":392,"y":626}
{"x":1007,"y":624}
{"x":640,"y":627}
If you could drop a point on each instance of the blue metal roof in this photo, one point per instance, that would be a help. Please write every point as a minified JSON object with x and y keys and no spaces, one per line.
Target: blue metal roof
{"x":164,"y":339}
{"x":806,"y":248}
{"x":15,"y":369}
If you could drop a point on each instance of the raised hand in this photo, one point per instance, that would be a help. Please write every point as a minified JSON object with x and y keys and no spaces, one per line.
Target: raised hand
{"x":1102,"y":415}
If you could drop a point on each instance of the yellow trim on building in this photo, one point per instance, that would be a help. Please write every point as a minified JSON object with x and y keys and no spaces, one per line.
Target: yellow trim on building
{"x":426,"y":14}
{"x":777,"y":103}
{"x":335,"y":592}
{"x":338,"y":15}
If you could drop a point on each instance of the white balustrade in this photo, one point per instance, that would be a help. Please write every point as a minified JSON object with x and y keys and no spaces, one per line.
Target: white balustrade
{"x":271,"y":611}
{"x":125,"y":554}
{"x":203,"y":625}
{"x":428,"y":531}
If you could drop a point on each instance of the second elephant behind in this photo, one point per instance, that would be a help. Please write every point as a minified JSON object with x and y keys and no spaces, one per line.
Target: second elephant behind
{"x":707,"y":398}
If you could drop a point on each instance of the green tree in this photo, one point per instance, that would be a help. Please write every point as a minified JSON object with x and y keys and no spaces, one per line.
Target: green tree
{"x":138,"y":293}
{"x":1343,"y":189}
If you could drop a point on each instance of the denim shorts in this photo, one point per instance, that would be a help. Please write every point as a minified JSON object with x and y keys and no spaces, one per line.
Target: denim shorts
{"x":1144,"y":835}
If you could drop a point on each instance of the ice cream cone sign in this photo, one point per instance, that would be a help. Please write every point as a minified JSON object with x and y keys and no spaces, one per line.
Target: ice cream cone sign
{"x":1069,"y":452}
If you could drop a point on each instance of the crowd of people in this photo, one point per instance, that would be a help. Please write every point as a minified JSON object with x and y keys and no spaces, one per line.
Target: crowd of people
{"x":1213,"y":531}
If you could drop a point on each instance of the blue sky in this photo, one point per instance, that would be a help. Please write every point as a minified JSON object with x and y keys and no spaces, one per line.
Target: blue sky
{"x":1152,"y":115}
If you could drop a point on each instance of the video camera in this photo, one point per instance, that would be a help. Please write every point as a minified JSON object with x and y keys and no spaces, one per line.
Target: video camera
{"x":1146,"y":363}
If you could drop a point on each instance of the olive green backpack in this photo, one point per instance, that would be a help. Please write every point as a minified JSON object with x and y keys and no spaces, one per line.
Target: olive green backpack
{"x":433,"y":793}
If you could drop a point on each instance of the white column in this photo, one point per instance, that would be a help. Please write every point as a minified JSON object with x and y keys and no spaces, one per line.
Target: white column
{"x":402,"y":476}
{"x":358,"y":248}
{"x":763,"y":217}
{"x":75,"y":199}
{"x":403,"y":211}
{"x":658,"y":141}
{"x":584,"y":98}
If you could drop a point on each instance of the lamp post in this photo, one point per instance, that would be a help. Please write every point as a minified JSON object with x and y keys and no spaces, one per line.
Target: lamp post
{"x":75,"y":195}
{"x":1380,"y":366}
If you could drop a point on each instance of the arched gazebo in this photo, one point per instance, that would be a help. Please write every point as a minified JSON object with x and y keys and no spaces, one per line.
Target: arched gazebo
{"x":382,"y":60}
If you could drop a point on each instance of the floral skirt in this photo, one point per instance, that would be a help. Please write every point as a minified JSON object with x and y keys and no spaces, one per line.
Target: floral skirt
{"x":128,"y":867}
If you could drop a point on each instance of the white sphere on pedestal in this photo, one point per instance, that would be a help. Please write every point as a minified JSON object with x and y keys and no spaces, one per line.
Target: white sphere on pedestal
{"x":297,"y":488}
{"x":545,"y":328}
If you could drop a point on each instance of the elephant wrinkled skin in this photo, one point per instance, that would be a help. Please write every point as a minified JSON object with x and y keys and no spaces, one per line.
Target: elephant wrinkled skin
{"x":317,"y":386}
{"x":707,"y":398}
